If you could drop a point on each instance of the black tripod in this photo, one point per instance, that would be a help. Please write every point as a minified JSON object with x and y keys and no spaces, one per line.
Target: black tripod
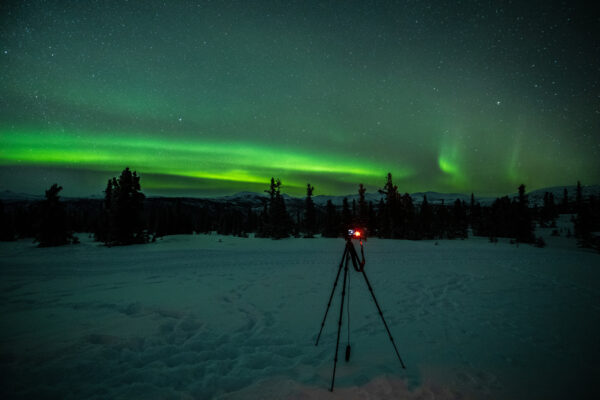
{"x":350,"y":254}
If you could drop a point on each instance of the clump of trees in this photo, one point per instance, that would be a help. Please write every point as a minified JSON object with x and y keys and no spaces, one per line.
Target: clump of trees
{"x":274,"y":220}
{"x":505,"y":218}
{"x":587,"y":220}
{"x":399,"y":218}
{"x":126,"y":216}
{"x":122,"y":219}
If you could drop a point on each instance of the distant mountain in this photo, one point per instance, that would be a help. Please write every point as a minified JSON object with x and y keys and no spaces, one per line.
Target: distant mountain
{"x":8,"y":197}
{"x":537,"y":196}
{"x":256,"y":200}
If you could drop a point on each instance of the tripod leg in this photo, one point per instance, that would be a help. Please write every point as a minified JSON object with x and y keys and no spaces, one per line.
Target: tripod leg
{"x":337,"y":344}
{"x":381,"y":315}
{"x":337,"y":277}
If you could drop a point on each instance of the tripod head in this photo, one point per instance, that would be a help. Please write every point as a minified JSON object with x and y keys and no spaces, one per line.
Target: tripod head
{"x":356,"y":262}
{"x":356,"y":233}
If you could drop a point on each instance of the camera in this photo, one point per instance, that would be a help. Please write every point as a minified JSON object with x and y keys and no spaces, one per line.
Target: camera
{"x":355,"y":233}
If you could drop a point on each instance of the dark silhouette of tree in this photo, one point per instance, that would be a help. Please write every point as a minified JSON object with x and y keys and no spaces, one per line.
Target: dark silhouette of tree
{"x":278,"y":225}
{"x":582,"y":226}
{"x":459,"y":222}
{"x":524,"y":224}
{"x":442,"y":221}
{"x":497,"y":220}
{"x":309,"y":213}
{"x":565,"y":202}
{"x":363,"y":211}
{"x":426,"y":220}
{"x":372,"y":220}
{"x":346,"y":216}
{"x":274,"y":187}
{"x":548,"y":213}
{"x":382,"y":220}
{"x":53,"y":230}
{"x":389,"y":214}
{"x":264,"y":222}
{"x":587,"y":223}
{"x":298,"y":225}
{"x":331,"y":227}
{"x":405,"y":225}
{"x":123,"y":209}
{"x":231,"y":222}
{"x":475,"y":216}
{"x":102,"y":232}
{"x":578,"y":196}
{"x":267,"y":221}
{"x":7,"y":227}
{"x":251,"y":221}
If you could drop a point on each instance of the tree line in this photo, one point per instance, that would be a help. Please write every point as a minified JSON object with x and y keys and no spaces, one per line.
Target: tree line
{"x":126,"y":216}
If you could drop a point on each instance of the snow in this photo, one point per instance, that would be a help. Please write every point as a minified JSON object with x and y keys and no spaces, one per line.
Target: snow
{"x":207,"y":316}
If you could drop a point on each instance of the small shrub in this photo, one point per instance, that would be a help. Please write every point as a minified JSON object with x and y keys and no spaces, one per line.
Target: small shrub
{"x":540,"y":242}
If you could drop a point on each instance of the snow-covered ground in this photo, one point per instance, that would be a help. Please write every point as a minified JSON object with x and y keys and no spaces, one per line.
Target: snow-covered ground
{"x":206,"y":316}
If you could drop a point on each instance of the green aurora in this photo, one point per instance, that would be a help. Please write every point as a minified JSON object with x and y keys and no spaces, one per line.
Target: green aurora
{"x":210,"y":99}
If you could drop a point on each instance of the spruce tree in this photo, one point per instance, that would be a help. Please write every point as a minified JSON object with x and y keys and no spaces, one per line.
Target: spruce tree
{"x":52,"y":230}
{"x":442,"y":221}
{"x":250,"y":225}
{"x":279,"y":220}
{"x":390,"y":213}
{"x":426,"y":220}
{"x":331,"y":227}
{"x":578,"y":197}
{"x":587,"y":221}
{"x":565,"y":202}
{"x":523,"y":222}
{"x":372,"y":219}
{"x":382,"y":220}
{"x":363,"y":211}
{"x":459,"y":220}
{"x":103,"y":227}
{"x":548,"y":213}
{"x":474,"y":214}
{"x":346,"y":216}
{"x":123,"y":211}
{"x":406,"y":226}
{"x":309,"y":213}
{"x":7,"y":227}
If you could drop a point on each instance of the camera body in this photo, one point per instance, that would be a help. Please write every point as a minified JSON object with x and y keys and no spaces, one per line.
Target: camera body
{"x":356,"y":233}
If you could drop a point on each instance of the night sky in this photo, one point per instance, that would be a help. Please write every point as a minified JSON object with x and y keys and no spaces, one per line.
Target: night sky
{"x":208,"y":98}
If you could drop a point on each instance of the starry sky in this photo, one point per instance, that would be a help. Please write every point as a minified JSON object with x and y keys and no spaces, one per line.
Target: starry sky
{"x":210,"y":98}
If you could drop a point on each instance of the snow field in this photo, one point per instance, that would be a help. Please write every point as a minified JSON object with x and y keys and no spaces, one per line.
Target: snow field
{"x":206,"y":316}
